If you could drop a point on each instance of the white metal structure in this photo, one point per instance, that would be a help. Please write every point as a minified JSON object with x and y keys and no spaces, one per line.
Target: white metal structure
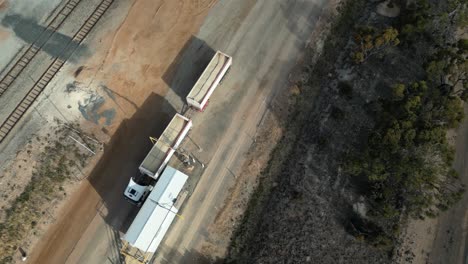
{"x":157,"y":213}
{"x":208,"y":81}
{"x":162,"y":151}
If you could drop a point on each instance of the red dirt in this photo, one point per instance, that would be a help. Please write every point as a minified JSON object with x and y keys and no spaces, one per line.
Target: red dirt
{"x":4,"y":34}
{"x":141,"y":51}
{"x":3,"y":4}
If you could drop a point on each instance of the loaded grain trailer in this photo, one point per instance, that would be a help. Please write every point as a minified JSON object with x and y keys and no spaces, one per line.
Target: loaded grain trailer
{"x":162,"y":151}
{"x":155,"y":217}
{"x":210,"y":78}
{"x":157,"y":158}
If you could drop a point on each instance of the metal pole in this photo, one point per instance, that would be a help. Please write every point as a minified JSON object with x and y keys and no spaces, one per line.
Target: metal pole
{"x":196,"y":145}
{"x":81,"y":144}
{"x":168,"y":209}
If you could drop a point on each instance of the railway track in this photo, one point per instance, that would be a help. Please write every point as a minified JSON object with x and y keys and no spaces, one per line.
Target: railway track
{"x":34,"y":48}
{"x":52,"y":70}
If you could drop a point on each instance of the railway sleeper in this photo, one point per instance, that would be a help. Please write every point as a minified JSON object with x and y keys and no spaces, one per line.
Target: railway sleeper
{"x":6,"y":127}
{"x":24,"y":60}
{"x":27,"y":102}
{"x":18,"y":112}
{"x":16,"y":71}
{"x":16,"y":115}
{"x":11,"y":122}
{"x":35,"y":92}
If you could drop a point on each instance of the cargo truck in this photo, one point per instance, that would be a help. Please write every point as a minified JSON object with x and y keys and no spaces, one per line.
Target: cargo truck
{"x":157,"y":158}
{"x":155,"y":216}
{"x":210,"y":78}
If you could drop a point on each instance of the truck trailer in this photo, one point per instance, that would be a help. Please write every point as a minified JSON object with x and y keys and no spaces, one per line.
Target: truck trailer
{"x":157,"y":158}
{"x":155,"y":216}
{"x":210,"y":78}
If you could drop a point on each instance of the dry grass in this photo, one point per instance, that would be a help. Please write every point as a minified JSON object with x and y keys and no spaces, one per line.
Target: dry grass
{"x":59,"y":161}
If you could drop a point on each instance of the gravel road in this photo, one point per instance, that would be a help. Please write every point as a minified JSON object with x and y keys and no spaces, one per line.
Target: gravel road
{"x":266,"y":39}
{"x":451,"y":240}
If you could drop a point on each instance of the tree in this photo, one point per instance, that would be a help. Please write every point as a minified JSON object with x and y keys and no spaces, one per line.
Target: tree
{"x":407,"y":160}
{"x":369,"y":41}
{"x":398,"y":91}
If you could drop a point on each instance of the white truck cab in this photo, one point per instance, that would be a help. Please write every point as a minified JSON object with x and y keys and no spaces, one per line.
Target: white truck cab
{"x":137,"y":193}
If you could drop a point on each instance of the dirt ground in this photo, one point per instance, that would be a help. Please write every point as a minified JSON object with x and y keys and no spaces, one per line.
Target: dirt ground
{"x":286,"y":29}
{"x":270,"y":132}
{"x":136,"y":69}
{"x":27,"y":163}
{"x":228,"y":217}
{"x":128,"y":65}
{"x":275,"y":32}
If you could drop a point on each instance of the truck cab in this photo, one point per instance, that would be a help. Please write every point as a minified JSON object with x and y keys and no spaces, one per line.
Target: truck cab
{"x":156,"y":160}
{"x":138,"y":189}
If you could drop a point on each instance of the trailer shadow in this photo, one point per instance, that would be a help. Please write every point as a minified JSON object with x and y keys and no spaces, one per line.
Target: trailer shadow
{"x":122,"y":155}
{"x":187,"y":66}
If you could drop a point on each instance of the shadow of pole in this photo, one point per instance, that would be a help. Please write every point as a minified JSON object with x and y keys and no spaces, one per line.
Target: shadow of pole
{"x":52,"y":42}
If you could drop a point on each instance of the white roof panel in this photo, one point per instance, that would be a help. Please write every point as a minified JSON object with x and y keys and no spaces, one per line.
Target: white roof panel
{"x":157,"y":213}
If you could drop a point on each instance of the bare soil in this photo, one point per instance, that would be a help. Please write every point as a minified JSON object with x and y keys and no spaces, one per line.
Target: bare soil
{"x":135,"y":61}
{"x":24,"y":171}
{"x":128,"y":66}
{"x":271,"y":130}
{"x":3,"y":4}
{"x":230,"y":215}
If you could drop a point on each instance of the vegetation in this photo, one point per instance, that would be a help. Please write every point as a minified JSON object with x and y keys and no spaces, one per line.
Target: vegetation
{"x":55,"y":167}
{"x":371,"y":41}
{"x":407,"y":161}
{"x":386,"y":110}
{"x":448,"y":69}
{"x":406,"y":164}
{"x":422,"y":19}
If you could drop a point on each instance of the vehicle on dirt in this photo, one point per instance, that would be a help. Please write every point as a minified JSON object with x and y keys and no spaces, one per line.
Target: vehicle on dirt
{"x":157,"y":158}
{"x":210,"y":78}
{"x":139,"y":188}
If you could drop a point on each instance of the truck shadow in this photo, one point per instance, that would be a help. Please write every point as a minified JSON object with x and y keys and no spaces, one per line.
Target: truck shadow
{"x":122,"y":156}
{"x":187,"y":67}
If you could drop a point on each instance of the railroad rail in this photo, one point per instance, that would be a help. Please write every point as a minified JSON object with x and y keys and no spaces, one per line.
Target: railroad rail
{"x":37,"y":45}
{"x":52,"y":70}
